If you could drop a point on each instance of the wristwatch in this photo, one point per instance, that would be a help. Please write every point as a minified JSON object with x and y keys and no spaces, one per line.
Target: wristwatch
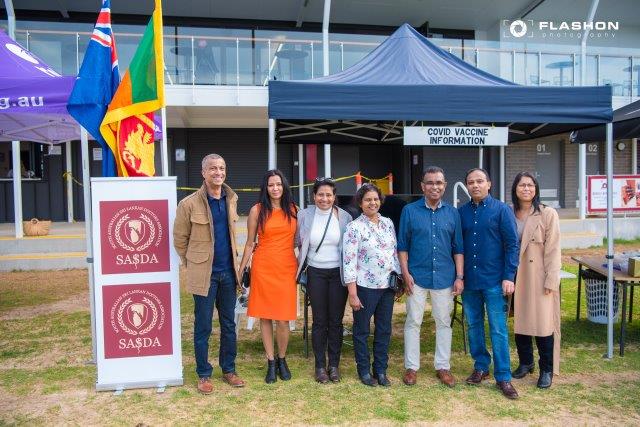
{"x":459,"y":277}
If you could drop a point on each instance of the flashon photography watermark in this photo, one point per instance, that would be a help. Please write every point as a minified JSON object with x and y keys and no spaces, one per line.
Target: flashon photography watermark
{"x":528,"y":28}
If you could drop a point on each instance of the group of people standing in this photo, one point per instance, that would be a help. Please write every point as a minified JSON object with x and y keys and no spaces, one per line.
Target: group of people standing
{"x":484,"y":251}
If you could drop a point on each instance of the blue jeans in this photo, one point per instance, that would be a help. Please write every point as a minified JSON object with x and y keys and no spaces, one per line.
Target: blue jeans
{"x":379,"y":304}
{"x":222,"y":293}
{"x":474,"y":303}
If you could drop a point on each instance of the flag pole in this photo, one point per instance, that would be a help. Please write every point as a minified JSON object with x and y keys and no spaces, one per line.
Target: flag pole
{"x":164,"y":148}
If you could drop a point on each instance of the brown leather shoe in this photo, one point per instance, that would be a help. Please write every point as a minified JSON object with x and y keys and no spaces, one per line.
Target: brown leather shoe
{"x":205,"y":386}
{"x":476,"y":377}
{"x":410,"y":377}
{"x":445,"y":377}
{"x":233,"y":379}
{"x":507,"y":389}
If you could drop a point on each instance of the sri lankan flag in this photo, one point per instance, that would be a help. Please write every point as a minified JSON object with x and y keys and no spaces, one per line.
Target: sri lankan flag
{"x":128,"y":124}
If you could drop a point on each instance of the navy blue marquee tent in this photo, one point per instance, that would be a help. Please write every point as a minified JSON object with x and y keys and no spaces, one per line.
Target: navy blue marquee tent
{"x":408,"y":78}
{"x":626,"y":124}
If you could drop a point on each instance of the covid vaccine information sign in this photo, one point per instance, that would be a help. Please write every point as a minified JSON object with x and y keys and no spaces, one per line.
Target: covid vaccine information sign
{"x":137,"y":294}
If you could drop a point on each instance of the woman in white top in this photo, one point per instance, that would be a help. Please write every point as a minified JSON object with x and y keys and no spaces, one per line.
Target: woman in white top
{"x":319,"y":241}
{"x":369,"y":257}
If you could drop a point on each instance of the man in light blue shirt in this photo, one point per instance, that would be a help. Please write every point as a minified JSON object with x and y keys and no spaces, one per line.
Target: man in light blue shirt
{"x":430,"y":251}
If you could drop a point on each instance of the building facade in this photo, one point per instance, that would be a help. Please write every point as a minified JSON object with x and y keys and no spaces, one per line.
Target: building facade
{"x":220,"y":57}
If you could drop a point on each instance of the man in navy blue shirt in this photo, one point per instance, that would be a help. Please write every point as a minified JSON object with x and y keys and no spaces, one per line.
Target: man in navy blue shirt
{"x":430,"y":252}
{"x":204,"y":236}
{"x":490,"y":262}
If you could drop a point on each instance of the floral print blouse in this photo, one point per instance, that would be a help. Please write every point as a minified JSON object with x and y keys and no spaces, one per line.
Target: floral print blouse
{"x":369,"y":252}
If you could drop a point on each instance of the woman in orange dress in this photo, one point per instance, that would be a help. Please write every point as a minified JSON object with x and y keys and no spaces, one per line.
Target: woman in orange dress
{"x":272,"y":294}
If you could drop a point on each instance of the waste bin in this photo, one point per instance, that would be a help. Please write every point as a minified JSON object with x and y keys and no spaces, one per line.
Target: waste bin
{"x":596,"y":289}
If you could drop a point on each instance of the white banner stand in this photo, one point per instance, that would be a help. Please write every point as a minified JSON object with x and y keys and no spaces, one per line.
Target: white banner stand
{"x":137,"y":293}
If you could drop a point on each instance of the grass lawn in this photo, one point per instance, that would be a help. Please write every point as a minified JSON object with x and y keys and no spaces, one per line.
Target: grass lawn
{"x":45,"y":341}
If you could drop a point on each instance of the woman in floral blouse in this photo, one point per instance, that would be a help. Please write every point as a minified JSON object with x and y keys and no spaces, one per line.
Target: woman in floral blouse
{"x":369,"y":257}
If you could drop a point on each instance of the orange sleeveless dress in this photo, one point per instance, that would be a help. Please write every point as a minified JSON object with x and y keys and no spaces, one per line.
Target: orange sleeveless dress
{"x":273,"y":270}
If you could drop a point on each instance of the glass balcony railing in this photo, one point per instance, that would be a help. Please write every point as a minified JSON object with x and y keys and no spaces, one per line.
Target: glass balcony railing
{"x":227,"y":60}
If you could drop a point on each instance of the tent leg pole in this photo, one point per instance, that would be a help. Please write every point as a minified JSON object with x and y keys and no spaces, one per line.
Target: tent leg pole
{"x":67,"y":152}
{"x":164,"y":152}
{"x":272,"y":144}
{"x":610,"y":288}
{"x":582,"y":180}
{"x":17,"y":188}
{"x":84,"y":141}
{"x":634,"y":156}
{"x":503,"y":184}
{"x":301,"y":174}
{"x":480,"y":157}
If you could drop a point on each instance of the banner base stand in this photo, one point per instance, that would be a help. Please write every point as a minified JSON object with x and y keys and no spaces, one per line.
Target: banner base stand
{"x":158,"y":384}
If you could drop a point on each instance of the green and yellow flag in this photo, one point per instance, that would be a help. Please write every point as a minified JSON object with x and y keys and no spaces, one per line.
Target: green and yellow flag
{"x":128,"y":125}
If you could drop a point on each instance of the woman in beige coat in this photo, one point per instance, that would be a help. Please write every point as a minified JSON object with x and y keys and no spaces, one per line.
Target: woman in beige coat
{"x":537,"y":295}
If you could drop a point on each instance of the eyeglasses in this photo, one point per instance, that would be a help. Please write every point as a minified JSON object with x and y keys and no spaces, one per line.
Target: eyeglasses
{"x":526,"y":185}
{"x":434,"y":184}
{"x":323,"y":178}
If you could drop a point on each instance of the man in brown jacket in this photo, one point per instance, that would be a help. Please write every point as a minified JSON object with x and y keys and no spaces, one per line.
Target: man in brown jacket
{"x":204,"y":236}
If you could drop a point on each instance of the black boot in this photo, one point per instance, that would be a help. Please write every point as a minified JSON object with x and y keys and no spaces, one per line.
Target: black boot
{"x":367,"y":379}
{"x":545,"y":379}
{"x":522,"y":371}
{"x":283,"y":370}
{"x":270,"y":378}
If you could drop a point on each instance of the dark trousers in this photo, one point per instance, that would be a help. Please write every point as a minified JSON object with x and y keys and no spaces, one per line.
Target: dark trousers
{"x":379,"y":304}
{"x":222,"y":293}
{"x":328,"y":297}
{"x":545,"y":350}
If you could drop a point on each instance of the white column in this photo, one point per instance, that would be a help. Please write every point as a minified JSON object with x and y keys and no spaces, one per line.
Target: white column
{"x":67,"y":152}
{"x":503,"y":184}
{"x":582,"y":180}
{"x":634,"y":156}
{"x":301,"y":174}
{"x":11,"y":18}
{"x":480,"y":157}
{"x":610,"y":288}
{"x":86,"y":189}
{"x":327,"y":160}
{"x":325,"y":69}
{"x":164,"y":152}
{"x":17,"y":188}
{"x":272,"y":159}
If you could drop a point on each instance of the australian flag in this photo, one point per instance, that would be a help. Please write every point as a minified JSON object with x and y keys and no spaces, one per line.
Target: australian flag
{"x":96,"y":83}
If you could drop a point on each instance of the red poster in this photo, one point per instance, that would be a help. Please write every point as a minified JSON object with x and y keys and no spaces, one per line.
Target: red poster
{"x":133,"y":236}
{"x":137,"y":320}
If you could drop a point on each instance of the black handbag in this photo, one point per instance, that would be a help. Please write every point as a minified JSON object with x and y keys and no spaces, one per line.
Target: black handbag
{"x":303,"y":278}
{"x":245,"y":280}
{"x":396,"y":284}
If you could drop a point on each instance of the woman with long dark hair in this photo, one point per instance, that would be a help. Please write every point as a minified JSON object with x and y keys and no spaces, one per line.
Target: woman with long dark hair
{"x":536,"y":298}
{"x":273,"y":268}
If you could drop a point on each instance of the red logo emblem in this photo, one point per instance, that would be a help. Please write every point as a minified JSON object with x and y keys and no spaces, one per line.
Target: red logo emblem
{"x":133,"y":235}
{"x":137,"y":320}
